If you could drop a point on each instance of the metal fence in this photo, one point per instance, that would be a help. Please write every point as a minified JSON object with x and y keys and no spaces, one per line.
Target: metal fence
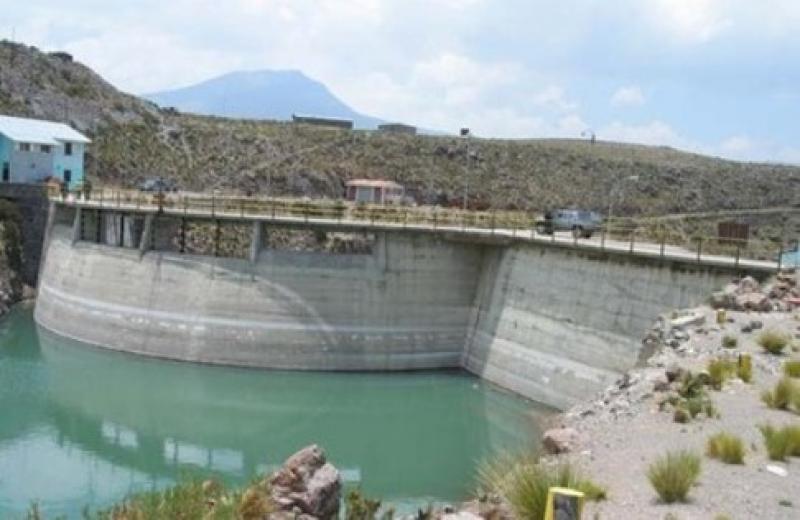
{"x":641,"y":236}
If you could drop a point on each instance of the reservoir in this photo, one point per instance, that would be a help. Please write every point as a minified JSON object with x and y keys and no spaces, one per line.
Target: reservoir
{"x":86,"y":427}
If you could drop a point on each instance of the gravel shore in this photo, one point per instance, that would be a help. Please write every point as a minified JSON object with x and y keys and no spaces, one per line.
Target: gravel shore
{"x":625,"y":429}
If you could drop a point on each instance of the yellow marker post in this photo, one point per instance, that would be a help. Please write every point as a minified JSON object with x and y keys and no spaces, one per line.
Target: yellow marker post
{"x":722,"y":317}
{"x":564,"y":504}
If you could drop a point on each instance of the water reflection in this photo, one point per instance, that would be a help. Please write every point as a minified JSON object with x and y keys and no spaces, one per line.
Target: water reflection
{"x":87,"y":426}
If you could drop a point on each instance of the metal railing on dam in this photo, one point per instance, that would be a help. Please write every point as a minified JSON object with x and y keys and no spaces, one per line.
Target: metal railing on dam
{"x":637,"y":237}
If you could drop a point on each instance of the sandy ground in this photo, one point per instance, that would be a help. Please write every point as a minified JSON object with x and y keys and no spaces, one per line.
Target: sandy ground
{"x":623,"y":433}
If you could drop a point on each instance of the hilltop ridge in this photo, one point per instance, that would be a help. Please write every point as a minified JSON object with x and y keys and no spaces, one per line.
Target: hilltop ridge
{"x":135,"y":139}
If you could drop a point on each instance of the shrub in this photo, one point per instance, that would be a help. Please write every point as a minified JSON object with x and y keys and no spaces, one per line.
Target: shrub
{"x":779,"y":442}
{"x":673,"y":475}
{"x":194,"y":499}
{"x":781,"y":396}
{"x":692,"y":385}
{"x":725,"y":447}
{"x":792,"y":368}
{"x":360,"y":507}
{"x":744,"y":369}
{"x":681,"y":416}
{"x":773,"y":342}
{"x":720,"y":370}
{"x":524,"y":483}
{"x":729,"y":342}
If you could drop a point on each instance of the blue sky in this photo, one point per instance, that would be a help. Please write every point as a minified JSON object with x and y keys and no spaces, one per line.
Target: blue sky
{"x":714,"y":76}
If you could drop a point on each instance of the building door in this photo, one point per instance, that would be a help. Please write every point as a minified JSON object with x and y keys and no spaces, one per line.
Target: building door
{"x":6,"y":172}
{"x":67,"y":177}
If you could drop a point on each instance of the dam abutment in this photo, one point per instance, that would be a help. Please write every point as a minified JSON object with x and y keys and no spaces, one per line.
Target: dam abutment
{"x":552,"y":323}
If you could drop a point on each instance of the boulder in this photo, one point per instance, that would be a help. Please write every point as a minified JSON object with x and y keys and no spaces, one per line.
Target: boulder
{"x":308,"y":483}
{"x":747,"y":285}
{"x":561,"y":440}
{"x":753,"y":301}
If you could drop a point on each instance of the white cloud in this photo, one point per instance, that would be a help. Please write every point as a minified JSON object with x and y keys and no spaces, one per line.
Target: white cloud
{"x":630,"y":96}
{"x":691,"y":21}
{"x":738,"y":146}
{"x":554,"y":97}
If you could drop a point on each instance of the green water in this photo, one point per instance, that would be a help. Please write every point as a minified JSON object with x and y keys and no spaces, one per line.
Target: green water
{"x":80,"y":426}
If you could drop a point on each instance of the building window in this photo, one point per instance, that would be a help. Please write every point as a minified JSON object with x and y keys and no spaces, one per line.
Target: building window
{"x":6,"y":172}
{"x":67,"y":148}
{"x":46,"y":148}
{"x":24,"y":147}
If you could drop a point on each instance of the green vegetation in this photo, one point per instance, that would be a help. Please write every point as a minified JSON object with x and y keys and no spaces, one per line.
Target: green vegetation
{"x":692,"y":399}
{"x":187,"y":500}
{"x":720,"y":370}
{"x":781,"y":443}
{"x":359,"y":507}
{"x":726,"y":447}
{"x":783,"y":396}
{"x":524,"y":483}
{"x":792,"y":368}
{"x":744,"y":368}
{"x":729,"y":341}
{"x":673,"y":475}
{"x":773,"y":342}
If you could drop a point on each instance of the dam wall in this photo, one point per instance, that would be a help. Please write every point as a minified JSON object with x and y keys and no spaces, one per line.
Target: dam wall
{"x":553,"y":324}
{"x":406,"y":306}
{"x":560,"y":324}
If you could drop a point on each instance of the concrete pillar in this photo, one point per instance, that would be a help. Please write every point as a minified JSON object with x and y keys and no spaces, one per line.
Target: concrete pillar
{"x":255,"y":241}
{"x":76,"y":225}
{"x":147,"y":233}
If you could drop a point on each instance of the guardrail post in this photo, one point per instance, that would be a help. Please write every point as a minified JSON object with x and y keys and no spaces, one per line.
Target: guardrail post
{"x":118,"y":199}
{"x":213,"y":204}
{"x":494,"y":224}
{"x":241,"y":207}
{"x":663,"y":245}
{"x":780,"y":256}
{"x":738,"y":253}
{"x":699,"y":248}
{"x":603,"y":238}
{"x":405,"y":218}
{"x":185,"y":205}
{"x":633,"y":238}
{"x":435,"y":216}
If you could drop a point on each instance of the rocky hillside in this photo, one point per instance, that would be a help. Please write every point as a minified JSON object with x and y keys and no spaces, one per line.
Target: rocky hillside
{"x":134,"y":139}
{"x":10,"y":256}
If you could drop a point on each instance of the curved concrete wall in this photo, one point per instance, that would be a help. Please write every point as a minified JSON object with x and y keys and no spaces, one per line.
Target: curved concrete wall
{"x":406,"y":306}
{"x":552,"y":324}
{"x":561,"y":324}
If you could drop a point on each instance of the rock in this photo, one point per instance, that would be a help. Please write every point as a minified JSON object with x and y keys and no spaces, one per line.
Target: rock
{"x":28,"y":292}
{"x":307,"y":482}
{"x":674,"y":372}
{"x":748,"y":284}
{"x":756,"y":325}
{"x":560,"y":440}
{"x":323,"y":491}
{"x":746,"y":329}
{"x":693,"y":319}
{"x":777,"y":470}
{"x":753,"y":301}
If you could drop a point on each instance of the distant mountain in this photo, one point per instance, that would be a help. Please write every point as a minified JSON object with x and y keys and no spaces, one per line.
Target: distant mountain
{"x":262,"y":94}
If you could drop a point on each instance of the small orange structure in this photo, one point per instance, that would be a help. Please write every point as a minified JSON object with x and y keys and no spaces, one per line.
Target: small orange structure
{"x":374,"y":191}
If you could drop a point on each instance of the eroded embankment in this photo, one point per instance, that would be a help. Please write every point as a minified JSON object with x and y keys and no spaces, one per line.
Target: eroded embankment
{"x":552,"y":324}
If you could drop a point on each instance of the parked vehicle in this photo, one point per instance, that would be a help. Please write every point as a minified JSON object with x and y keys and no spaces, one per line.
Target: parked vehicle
{"x":157,"y":184}
{"x":582,"y":223}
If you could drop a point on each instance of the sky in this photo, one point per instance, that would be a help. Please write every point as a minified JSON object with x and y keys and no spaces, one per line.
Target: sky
{"x":720,"y":77}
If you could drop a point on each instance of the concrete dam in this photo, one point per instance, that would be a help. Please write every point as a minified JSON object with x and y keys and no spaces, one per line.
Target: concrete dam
{"x":552,"y":323}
